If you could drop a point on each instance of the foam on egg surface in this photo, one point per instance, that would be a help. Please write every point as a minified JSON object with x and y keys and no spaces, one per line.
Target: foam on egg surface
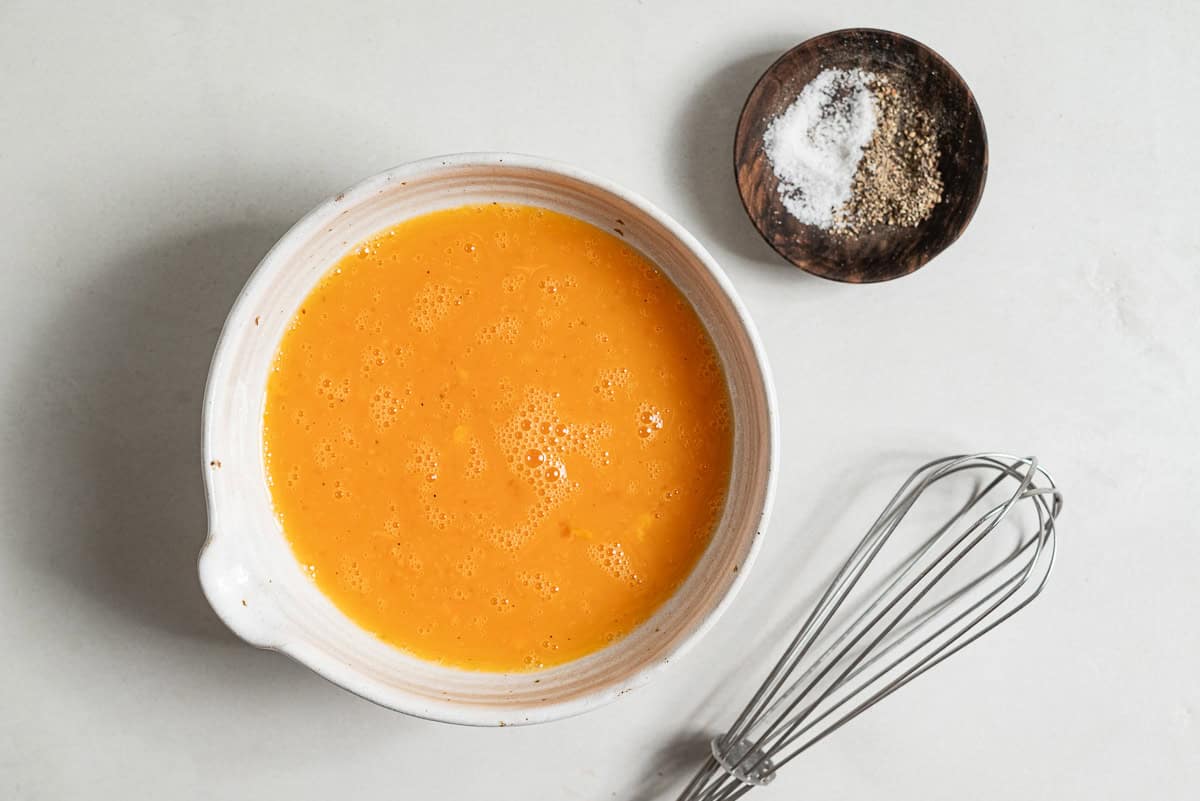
{"x":497,"y":437}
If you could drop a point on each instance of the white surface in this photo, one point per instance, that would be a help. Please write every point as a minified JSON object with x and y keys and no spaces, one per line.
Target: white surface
{"x":149,"y":155}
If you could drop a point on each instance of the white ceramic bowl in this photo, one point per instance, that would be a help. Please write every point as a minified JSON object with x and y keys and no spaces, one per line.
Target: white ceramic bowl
{"x":246,"y":567}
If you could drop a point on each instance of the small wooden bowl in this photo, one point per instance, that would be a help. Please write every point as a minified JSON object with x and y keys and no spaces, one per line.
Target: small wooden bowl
{"x":883,"y":252}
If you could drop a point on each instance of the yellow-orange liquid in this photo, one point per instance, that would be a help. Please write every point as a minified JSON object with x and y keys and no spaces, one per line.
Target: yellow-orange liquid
{"x":497,"y":437}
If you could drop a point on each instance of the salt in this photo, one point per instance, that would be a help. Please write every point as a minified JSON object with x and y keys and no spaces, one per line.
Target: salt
{"x":816,"y":144}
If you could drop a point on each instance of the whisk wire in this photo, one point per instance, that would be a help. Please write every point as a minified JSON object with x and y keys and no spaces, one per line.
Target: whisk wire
{"x":857,"y":632}
{"x":811,"y":630}
{"x":887,"y":645}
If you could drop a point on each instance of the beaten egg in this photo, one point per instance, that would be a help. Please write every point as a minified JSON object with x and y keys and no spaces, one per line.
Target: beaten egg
{"x":497,"y":437}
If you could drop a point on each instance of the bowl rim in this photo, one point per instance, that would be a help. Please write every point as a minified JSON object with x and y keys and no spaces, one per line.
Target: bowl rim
{"x":351,"y":679}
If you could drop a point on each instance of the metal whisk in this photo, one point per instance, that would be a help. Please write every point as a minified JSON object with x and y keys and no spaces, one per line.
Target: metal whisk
{"x":941,"y":596}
